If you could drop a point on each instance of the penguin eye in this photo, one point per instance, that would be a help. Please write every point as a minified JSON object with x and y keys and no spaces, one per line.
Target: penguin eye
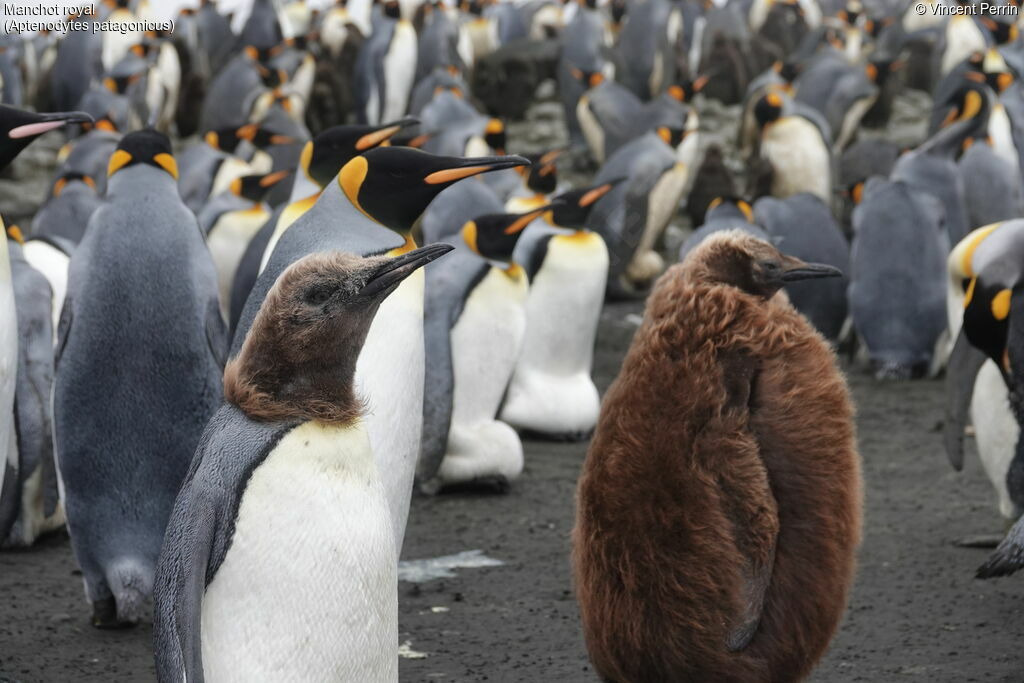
{"x":770,"y":266}
{"x":318,"y":295}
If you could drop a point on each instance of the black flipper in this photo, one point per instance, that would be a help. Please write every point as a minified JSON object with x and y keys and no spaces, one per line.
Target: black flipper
{"x":964,"y":363}
{"x":216,"y":333}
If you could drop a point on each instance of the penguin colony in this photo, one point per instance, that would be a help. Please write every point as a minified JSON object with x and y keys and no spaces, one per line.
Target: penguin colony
{"x":299,"y":259}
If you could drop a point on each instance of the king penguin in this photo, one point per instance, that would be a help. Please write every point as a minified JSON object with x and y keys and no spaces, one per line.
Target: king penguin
{"x":983,"y":266}
{"x":279,"y":559}
{"x":141,"y":327}
{"x":369,"y":209}
{"x":474,"y":321}
{"x":33,"y":509}
{"x":230,"y":220}
{"x":719,"y":509}
{"x":386,"y":67}
{"x":797,"y":150}
{"x":551,"y":392}
{"x":18,"y":128}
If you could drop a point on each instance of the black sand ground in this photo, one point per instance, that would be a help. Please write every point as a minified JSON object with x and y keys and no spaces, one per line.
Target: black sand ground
{"x":916,"y":612}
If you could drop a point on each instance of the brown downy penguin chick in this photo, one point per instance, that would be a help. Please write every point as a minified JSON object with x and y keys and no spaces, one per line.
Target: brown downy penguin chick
{"x":719,"y":507}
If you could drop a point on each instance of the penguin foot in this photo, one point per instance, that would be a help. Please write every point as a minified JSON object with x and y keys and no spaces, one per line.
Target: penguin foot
{"x":490,"y":484}
{"x":104,"y":615}
{"x":979,"y":541}
{"x":564,"y":437}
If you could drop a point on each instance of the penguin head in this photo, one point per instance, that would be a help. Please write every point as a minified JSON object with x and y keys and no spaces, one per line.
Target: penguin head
{"x":1002,"y":31}
{"x":729,"y":207}
{"x":394,"y":185}
{"x":618,"y":11}
{"x":969,"y":103}
{"x":392,"y":9}
{"x":787,"y":71}
{"x":298,"y":359}
{"x":589,"y":79}
{"x":255,"y":188}
{"x":495,"y":136}
{"x":18,"y":128}
{"x":768,"y":109}
{"x":687,"y":89}
{"x":671,"y":135}
{"x":69,"y":177}
{"x":738,"y":259}
{"x":494,"y":235}
{"x":986,"y":316}
{"x":588,"y":4}
{"x":14,"y":234}
{"x":331,"y":149}
{"x":148,"y":147}
{"x":572,"y":209}
{"x":542,"y":175}
{"x":878,"y":71}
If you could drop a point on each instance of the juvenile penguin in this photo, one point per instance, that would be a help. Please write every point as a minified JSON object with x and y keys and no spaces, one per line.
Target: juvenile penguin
{"x":284,"y":503}
{"x":369,"y":209}
{"x":551,"y":392}
{"x":475,"y":318}
{"x":719,"y":508}
{"x":141,"y":326}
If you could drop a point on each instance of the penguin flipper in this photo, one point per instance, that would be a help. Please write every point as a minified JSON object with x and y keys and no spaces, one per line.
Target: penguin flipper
{"x":748,"y":502}
{"x":63,"y":330}
{"x":180,"y":584}
{"x":1008,"y":557}
{"x":216,"y":333}
{"x":964,"y":363}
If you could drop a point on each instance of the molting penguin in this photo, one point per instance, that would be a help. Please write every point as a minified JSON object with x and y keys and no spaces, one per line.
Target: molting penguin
{"x":803,"y":226}
{"x":283,"y":488}
{"x":475,"y":318}
{"x":719,"y":508}
{"x":142,"y":327}
{"x":551,"y":392}
{"x":29,"y":506}
{"x":898,"y":237}
{"x":369,"y":209}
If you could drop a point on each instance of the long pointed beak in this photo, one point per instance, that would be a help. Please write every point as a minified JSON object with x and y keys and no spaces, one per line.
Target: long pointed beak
{"x":384,"y":132}
{"x":48,"y":122}
{"x":808,"y":271}
{"x":465,"y":168}
{"x":392,"y":272}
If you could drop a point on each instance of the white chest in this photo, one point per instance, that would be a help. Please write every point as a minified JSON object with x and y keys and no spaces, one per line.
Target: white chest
{"x":798,"y":157}
{"x":399,"y":70}
{"x":308,"y":589}
{"x":389,"y":379}
{"x":485,"y":344}
{"x":227,"y":240}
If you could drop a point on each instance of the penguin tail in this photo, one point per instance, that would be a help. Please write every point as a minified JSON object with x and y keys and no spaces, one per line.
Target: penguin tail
{"x":131,"y":583}
{"x":1007,"y":558}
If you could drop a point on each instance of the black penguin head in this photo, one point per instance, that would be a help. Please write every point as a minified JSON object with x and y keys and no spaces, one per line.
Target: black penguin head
{"x":588,"y":4}
{"x":495,"y":136}
{"x":737,"y":259}
{"x":18,"y":128}
{"x":787,"y":71}
{"x":671,"y":135}
{"x":618,"y":10}
{"x":494,"y":235}
{"x":986,"y":317}
{"x":472,"y":7}
{"x":1002,"y":31}
{"x":542,"y":176}
{"x":392,"y":9}
{"x":878,"y":71}
{"x":329,"y":150}
{"x":298,"y":360}
{"x":394,"y":185}
{"x":729,"y":206}
{"x":572,"y":209}
{"x":589,"y":79}
{"x":255,"y":188}
{"x":70,"y":177}
{"x":148,"y":147}
{"x":969,"y":102}
{"x":768,"y":109}
{"x":685,"y":90}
